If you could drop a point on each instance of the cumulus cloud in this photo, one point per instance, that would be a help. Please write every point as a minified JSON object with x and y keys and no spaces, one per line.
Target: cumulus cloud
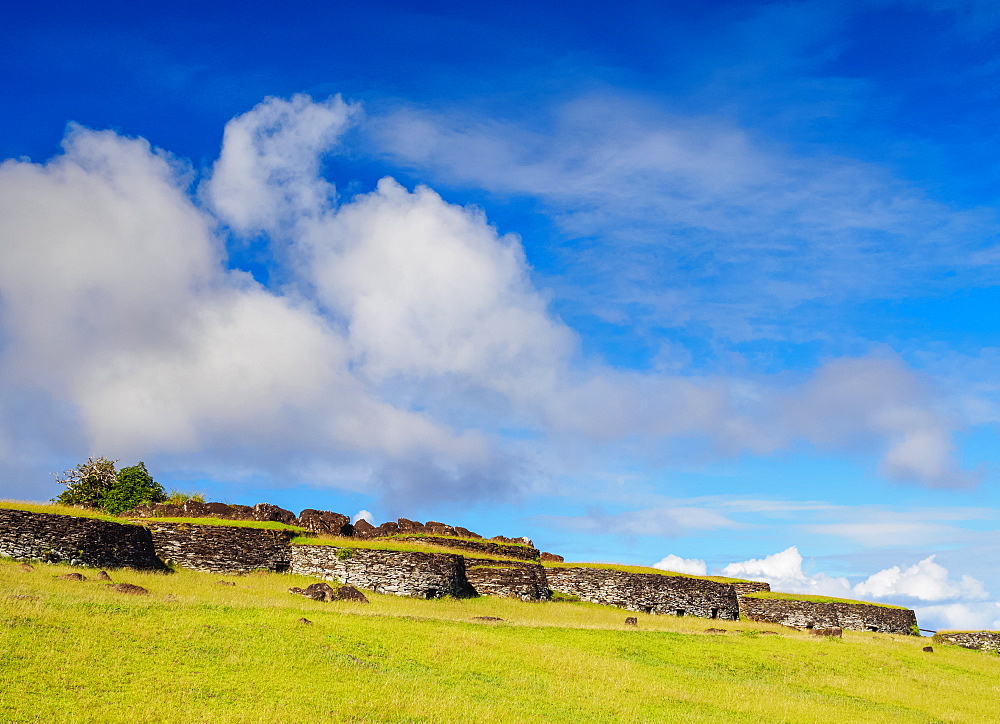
{"x":362,"y":515}
{"x":925,"y":581}
{"x":406,"y":340}
{"x":783,"y":570}
{"x":677,"y":564}
{"x":960,"y":616}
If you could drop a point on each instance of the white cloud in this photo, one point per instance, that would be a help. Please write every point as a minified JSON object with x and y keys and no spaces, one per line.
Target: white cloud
{"x":677,"y":564}
{"x":408,"y":338}
{"x":672,"y":521}
{"x":960,"y":616}
{"x":925,"y":580}
{"x":784,"y":572}
{"x":363,"y":515}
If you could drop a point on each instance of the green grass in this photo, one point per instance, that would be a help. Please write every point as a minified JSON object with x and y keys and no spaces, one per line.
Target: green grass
{"x":639,"y":569}
{"x":54,"y":509}
{"x":390,"y":544}
{"x":194,"y":651}
{"x":456,"y":537}
{"x":266,"y":525}
{"x":814,"y":599}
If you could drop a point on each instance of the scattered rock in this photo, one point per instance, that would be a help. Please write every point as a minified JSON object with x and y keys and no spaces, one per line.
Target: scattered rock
{"x":486,"y":618}
{"x":170,"y":597}
{"x":321,"y":591}
{"x":72,"y":577}
{"x":832,"y":631}
{"x":631,"y":621}
{"x":27,"y":567}
{"x":224,"y":583}
{"x":715,"y":630}
{"x":305,"y":621}
{"x":929,"y":649}
{"x":103,"y":576}
{"x":350,"y":593}
{"x":129,"y":589}
{"x":550,"y":558}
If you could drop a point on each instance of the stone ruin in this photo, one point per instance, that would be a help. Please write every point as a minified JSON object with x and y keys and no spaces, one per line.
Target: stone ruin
{"x":473,"y":568}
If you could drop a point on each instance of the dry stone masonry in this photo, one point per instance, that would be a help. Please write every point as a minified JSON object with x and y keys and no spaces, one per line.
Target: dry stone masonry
{"x":507,"y":579}
{"x":401,"y":573}
{"x":984,"y":640}
{"x":222,"y":548}
{"x":77,"y":541}
{"x":648,"y":592}
{"x":817,"y":615}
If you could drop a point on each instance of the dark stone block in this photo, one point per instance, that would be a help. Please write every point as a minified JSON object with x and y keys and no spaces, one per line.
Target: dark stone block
{"x":325,"y":522}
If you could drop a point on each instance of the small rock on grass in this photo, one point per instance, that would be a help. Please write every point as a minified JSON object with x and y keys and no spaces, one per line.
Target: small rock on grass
{"x":832,"y":631}
{"x":350,"y":593}
{"x":27,"y":567}
{"x":715,"y":630}
{"x":305,"y":621}
{"x":768,"y":633}
{"x":72,"y":577}
{"x":129,"y":589}
{"x":631,"y":621}
{"x":224,"y":583}
{"x":103,"y":576}
{"x":486,"y":618}
{"x":929,"y":649}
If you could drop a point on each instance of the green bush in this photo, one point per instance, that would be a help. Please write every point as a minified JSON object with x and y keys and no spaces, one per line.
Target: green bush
{"x":345,"y":553}
{"x":176,"y":497}
{"x":133,"y":486}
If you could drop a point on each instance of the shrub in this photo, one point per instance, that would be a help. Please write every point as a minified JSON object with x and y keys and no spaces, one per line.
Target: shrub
{"x":87,"y":483}
{"x":133,"y":486}
{"x":345,"y":553}
{"x":176,"y":497}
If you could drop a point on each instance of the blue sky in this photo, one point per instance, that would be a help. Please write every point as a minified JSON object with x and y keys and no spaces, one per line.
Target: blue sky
{"x":715,"y":281}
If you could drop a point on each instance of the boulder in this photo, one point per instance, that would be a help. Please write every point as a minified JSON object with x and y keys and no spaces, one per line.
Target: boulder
{"x":325,"y":522}
{"x":550,"y":557}
{"x":129,"y":589}
{"x":386,"y":529}
{"x":437,"y":528}
{"x":832,"y":631}
{"x":631,"y":621}
{"x":72,"y":577}
{"x":363,"y":529}
{"x":103,"y":576}
{"x":267,"y":513}
{"x":26,"y":567}
{"x":350,"y":593}
{"x":715,"y":630}
{"x":321,"y":591}
{"x":929,"y":649}
{"x":305,"y":621}
{"x":465,"y":532}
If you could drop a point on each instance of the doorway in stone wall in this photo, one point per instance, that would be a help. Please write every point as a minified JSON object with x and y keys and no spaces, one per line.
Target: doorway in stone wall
{"x":680,"y":611}
{"x":715,"y":613}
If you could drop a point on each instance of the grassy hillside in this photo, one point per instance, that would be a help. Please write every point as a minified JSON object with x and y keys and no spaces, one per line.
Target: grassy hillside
{"x":814,"y":599}
{"x":196,"y":651}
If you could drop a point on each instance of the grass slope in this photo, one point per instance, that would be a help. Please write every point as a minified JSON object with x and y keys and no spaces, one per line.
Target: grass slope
{"x":814,"y":599}
{"x":391,"y":544}
{"x":194,"y":651}
{"x":54,"y":509}
{"x":639,"y":569}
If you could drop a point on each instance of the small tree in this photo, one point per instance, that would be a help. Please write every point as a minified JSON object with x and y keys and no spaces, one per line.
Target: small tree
{"x":87,"y":483}
{"x":133,"y":486}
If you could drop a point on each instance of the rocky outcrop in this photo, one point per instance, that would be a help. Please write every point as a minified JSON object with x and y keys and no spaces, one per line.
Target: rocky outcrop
{"x":831,"y":614}
{"x":401,"y":573}
{"x":262,"y":512}
{"x":983,"y":640}
{"x":222,"y":548}
{"x":77,"y":541}
{"x":648,"y":592}
{"x":745,"y":587}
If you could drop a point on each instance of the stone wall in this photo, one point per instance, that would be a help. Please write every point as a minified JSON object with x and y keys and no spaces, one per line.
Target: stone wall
{"x":401,"y":573}
{"x":813,"y":614}
{"x":648,"y":592}
{"x":745,"y":587}
{"x":526,"y":581}
{"x":985,"y":640}
{"x":222,"y":548}
{"x":78,"y":541}
{"x":521,"y":552}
